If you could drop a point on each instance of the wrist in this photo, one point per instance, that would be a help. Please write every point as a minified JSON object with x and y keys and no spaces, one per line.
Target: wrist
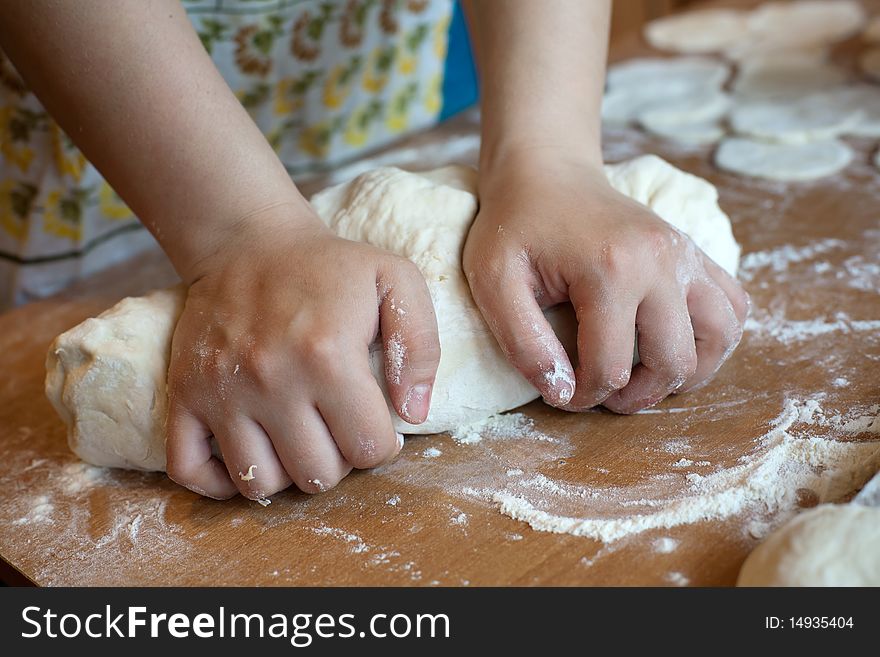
{"x":210,"y":244}
{"x":507,"y":164}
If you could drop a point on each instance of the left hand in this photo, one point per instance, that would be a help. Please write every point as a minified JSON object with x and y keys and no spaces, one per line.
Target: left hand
{"x":550,"y":230}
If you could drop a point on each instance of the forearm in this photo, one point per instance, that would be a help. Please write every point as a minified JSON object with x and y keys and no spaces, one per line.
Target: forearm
{"x":131,"y":84}
{"x":542,"y":70}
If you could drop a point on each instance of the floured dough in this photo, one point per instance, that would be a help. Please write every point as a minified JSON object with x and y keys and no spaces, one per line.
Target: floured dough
{"x":804,"y":24}
{"x":870,"y":63}
{"x":866,"y":99}
{"x":703,"y":31}
{"x":692,"y":120}
{"x":106,"y":377}
{"x":696,"y":134}
{"x":829,"y":545}
{"x":811,"y":118}
{"x":662,"y":74}
{"x":786,"y":77}
{"x":699,"y":108}
{"x":787,"y":162}
{"x":645,"y":85}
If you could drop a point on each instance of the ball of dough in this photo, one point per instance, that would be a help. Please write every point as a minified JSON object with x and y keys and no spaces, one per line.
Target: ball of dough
{"x":829,"y":545}
{"x":106,"y":377}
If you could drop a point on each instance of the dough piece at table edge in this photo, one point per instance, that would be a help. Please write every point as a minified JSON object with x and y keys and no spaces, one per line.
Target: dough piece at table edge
{"x":828,"y":545}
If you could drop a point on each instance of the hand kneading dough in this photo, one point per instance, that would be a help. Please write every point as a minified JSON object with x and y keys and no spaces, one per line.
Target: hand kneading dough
{"x":106,"y":377}
{"x":829,"y":545}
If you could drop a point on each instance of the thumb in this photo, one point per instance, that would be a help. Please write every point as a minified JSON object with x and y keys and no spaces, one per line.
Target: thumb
{"x":409,"y":337}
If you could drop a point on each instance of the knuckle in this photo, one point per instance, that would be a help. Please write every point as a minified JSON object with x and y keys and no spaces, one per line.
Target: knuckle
{"x":618,"y":259}
{"x":318,"y":350}
{"x":368,"y":453}
{"x":610,"y":377}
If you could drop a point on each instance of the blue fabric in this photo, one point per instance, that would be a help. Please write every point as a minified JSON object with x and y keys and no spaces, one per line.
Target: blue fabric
{"x":460,"y":86}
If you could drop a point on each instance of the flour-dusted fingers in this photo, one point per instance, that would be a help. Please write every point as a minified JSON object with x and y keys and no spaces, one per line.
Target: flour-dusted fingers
{"x":358,"y":418}
{"x":508,"y":305}
{"x":606,"y":336}
{"x":410,"y":341}
{"x":717,"y":329}
{"x":250,"y":457}
{"x":737,"y":296}
{"x":306,"y":448}
{"x":666,"y":350}
{"x":190,"y":461}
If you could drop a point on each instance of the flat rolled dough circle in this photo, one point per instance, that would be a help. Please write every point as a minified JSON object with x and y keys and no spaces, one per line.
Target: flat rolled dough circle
{"x":703,"y":31}
{"x":801,"y":25}
{"x":106,"y":377}
{"x":785,"y":162}
{"x":647,"y":84}
{"x":813,"y":118}
{"x":786,"y":78}
{"x":829,"y":545}
{"x":661,"y":74}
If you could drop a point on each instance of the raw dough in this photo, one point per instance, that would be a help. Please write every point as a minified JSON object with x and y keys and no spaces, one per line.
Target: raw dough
{"x":866,"y":99}
{"x":704,"y":31}
{"x":829,"y":545}
{"x":696,"y":134}
{"x":692,"y":120}
{"x":787,"y":162}
{"x":870,"y":63}
{"x":805,"y":24}
{"x":661,"y":75}
{"x":699,"y":108}
{"x":643,"y":85}
{"x":812,"y":118}
{"x":786,"y":77}
{"x":106,"y":377}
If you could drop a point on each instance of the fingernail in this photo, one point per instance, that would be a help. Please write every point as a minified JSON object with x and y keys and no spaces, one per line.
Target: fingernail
{"x":418,"y":401}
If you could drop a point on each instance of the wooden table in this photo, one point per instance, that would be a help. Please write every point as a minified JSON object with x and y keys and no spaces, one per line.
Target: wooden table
{"x":418,"y":520}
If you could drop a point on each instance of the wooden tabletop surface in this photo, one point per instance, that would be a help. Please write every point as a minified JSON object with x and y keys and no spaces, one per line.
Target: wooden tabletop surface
{"x":430,"y":517}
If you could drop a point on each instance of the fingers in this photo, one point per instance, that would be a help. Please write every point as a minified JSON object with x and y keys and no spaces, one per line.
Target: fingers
{"x":361,"y":426}
{"x":307,"y":450}
{"x":717,"y":330}
{"x":606,"y":336}
{"x":737,"y":297}
{"x":190,"y":462}
{"x":667,"y":352}
{"x":525,"y":336}
{"x":409,"y":335}
{"x":250,"y":458}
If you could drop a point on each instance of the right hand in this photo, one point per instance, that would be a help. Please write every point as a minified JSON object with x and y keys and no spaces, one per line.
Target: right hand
{"x":271,"y":358}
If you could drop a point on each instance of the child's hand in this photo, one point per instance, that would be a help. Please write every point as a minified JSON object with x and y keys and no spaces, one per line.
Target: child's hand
{"x":549,"y":231}
{"x":271,"y":357}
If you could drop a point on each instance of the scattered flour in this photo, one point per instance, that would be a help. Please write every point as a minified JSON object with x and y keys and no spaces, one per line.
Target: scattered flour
{"x":508,"y":425}
{"x":677,"y":579}
{"x":431,"y":453}
{"x":665,"y":545}
{"x":789,"y":331}
{"x":778,"y":259}
{"x":765,"y":482}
